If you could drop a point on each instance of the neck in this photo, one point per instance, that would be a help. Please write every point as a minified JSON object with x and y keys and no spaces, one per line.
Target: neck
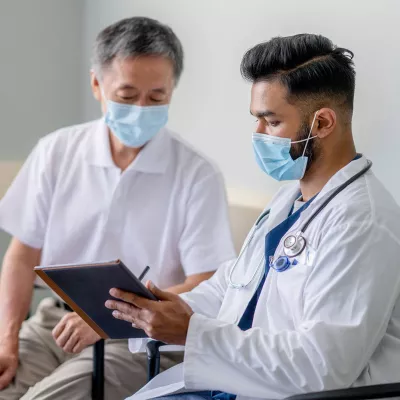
{"x":122,"y":155}
{"x":322,"y":170}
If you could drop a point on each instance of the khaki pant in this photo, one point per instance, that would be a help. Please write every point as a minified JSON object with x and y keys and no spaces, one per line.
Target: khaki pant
{"x":46,"y":372}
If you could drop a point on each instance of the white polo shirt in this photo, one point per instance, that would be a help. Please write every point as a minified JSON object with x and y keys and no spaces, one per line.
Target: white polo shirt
{"x":167,"y":209}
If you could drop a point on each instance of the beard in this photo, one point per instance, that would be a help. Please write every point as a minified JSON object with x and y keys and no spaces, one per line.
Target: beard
{"x":312,"y":151}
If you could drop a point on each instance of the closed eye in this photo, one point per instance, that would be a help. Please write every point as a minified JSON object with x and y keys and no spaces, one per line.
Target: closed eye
{"x":274,"y":124}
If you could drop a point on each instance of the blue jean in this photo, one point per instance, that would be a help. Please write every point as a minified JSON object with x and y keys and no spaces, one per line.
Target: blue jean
{"x":188,"y":396}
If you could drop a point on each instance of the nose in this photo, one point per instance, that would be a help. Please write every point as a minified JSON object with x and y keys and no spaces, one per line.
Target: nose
{"x":142,"y":102}
{"x":260,"y":127}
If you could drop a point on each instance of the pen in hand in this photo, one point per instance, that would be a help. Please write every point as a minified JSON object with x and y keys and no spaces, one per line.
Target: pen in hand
{"x":144,"y":273}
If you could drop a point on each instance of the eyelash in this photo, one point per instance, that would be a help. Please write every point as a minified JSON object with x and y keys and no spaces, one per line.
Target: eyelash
{"x":132,"y":98}
{"x":274,"y":124}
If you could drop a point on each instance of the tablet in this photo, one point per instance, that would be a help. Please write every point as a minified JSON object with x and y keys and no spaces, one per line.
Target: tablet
{"x":85,"y":288}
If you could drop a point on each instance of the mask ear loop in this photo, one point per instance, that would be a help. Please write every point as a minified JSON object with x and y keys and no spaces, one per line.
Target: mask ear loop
{"x":309,"y":135}
{"x":102,"y":93}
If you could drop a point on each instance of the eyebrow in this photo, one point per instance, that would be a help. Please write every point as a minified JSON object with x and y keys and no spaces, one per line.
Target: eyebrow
{"x":126,"y":86}
{"x":159,"y":90}
{"x":263,"y":114}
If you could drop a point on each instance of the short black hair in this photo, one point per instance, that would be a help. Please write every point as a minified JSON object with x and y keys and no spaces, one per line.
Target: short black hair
{"x":310,"y":67}
{"x":137,"y":36}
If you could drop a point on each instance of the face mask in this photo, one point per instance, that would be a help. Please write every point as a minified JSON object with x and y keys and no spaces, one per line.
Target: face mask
{"x":133,"y":125}
{"x":273,"y":156}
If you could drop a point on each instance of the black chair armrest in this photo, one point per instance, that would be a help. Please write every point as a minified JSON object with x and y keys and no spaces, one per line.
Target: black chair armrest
{"x":98,"y":371}
{"x":153,"y":358}
{"x":358,"y":393}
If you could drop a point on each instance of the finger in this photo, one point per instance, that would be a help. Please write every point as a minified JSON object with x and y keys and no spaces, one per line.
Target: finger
{"x":124,"y":317}
{"x":59,"y":328}
{"x":140,"y":324}
{"x":78,"y":347}
{"x":64,"y":336}
{"x":6,"y":377}
{"x":160,"y":294}
{"x":71,"y":343}
{"x":123,"y":307}
{"x":131,"y":298}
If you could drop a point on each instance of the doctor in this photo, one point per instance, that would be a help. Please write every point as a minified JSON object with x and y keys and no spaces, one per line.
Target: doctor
{"x":313,"y":301}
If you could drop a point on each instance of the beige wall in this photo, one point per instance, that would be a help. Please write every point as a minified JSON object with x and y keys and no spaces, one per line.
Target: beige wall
{"x":8,"y":170}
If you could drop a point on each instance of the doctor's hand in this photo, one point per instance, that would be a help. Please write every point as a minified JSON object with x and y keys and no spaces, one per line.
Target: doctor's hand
{"x":73,"y":334}
{"x":166,"y":320}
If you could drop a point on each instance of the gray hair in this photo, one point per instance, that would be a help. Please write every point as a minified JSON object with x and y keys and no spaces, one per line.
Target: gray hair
{"x":137,"y":36}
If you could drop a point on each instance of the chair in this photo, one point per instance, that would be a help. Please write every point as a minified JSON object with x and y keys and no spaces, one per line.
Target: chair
{"x":98,"y":371}
{"x":383,"y":391}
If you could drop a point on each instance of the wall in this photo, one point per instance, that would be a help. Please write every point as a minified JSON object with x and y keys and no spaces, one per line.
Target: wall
{"x":210,"y":107}
{"x":40,"y":76}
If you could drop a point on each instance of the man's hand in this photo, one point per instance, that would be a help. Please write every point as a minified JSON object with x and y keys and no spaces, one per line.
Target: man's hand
{"x":8,"y":365}
{"x":166,"y":320}
{"x":73,"y":334}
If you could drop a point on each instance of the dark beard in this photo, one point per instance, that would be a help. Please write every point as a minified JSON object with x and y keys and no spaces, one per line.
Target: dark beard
{"x":297,"y":149}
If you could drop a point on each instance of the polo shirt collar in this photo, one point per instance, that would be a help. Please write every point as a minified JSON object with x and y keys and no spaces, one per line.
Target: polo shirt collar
{"x":153,"y":158}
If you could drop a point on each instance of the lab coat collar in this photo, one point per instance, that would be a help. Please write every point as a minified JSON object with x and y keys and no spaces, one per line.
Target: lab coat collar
{"x":281,"y":205}
{"x":153,"y":158}
{"x":342,"y":176}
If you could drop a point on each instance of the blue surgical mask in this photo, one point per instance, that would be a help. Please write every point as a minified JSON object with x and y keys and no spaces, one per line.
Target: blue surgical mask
{"x":273,"y":156}
{"x":134,"y":125}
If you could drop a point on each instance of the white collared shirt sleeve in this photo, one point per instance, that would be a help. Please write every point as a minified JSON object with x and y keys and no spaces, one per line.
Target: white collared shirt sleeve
{"x":25,"y":207}
{"x":348,"y":300}
{"x":206,"y":241}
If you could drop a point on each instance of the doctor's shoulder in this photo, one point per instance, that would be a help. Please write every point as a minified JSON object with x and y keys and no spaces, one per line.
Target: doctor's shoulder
{"x":366,"y":205}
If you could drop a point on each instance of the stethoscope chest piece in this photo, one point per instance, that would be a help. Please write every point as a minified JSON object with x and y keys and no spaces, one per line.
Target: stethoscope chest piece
{"x":281,"y":264}
{"x":293,"y":245}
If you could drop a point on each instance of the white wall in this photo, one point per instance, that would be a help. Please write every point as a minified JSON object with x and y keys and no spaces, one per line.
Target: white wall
{"x":210,"y":108}
{"x":40,"y":77}
{"x":40,"y":71}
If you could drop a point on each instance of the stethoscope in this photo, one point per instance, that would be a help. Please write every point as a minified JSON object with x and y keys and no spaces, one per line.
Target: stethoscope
{"x":293,"y":244}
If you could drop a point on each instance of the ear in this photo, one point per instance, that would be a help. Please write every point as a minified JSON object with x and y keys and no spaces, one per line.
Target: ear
{"x":94,"y":83}
{"x":325,"y":122}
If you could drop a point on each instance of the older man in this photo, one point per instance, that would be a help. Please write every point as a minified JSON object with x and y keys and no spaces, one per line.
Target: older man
{"x":119,"y":187}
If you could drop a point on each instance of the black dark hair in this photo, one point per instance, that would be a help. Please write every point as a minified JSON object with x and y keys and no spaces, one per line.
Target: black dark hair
{"x":134,"y":37}
{"x":309,"y":66}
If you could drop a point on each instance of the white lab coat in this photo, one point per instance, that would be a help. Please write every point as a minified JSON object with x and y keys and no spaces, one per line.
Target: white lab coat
{"x":330,"y":323}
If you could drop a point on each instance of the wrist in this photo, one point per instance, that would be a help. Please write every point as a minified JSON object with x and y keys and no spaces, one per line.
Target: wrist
{"x":9,"y":341}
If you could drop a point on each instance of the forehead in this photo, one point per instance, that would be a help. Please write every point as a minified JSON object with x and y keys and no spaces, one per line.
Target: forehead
{"x":140,"y":71}
{"x":270,"y":96}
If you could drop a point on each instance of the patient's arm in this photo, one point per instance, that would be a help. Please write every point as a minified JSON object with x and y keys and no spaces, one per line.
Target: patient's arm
{"x":16,"y":285}
{"x":190,"y":282}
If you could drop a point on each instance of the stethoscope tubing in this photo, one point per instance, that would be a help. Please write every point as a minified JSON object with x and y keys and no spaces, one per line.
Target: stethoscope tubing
{"x":299,"y":234}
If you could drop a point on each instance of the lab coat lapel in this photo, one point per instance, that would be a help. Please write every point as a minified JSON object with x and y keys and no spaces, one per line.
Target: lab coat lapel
{"x":280,"y":211}
{"x":340,"y":177}
{"x":281,"y":205}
